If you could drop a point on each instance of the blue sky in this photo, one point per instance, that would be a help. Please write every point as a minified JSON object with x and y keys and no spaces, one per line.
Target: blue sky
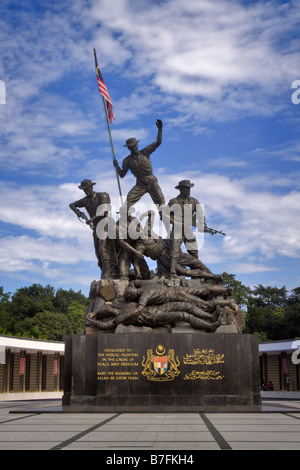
{"x":218,"y":74}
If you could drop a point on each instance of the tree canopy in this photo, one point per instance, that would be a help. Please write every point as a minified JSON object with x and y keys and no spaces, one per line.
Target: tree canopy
{"x":272,"y":313}
{"x":42,"y":313}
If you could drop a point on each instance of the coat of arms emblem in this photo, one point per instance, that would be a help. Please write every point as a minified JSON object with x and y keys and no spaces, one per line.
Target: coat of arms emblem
{"x":162,"y":366}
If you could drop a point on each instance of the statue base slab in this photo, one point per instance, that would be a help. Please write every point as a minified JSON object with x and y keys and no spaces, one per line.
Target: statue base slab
{"x":161,"y":372}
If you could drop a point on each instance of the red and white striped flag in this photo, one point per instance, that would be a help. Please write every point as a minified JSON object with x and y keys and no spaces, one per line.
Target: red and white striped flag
{"x":104,"y":92}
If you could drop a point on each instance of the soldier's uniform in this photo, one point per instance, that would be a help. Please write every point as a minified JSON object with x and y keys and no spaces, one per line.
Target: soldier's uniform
{"x":182,"y":232}
{"x":139,"y":164}
{"x":103,"y":248}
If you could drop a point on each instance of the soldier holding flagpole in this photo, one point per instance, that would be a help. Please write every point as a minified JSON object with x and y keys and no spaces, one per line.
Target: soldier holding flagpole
{"x":138,"y":162}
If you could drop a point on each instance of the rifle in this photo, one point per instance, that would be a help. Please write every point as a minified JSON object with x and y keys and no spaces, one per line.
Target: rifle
{"x":84,"y":217}
{"x":212,"y":231}
{"x":200,"y":226}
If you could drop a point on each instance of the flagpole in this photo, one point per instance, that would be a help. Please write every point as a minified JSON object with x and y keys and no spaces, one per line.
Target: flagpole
{"x":110,"y":137}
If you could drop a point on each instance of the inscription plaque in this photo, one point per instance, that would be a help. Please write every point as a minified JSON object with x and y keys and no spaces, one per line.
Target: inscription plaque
{"x":160,"y":372}
{"x":117,"y":364}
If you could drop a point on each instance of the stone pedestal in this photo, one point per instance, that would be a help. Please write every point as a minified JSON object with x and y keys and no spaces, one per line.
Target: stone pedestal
{"x":161,"y":372}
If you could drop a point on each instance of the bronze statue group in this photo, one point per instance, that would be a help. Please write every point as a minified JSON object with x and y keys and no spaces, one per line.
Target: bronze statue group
{"x":121,"y":247}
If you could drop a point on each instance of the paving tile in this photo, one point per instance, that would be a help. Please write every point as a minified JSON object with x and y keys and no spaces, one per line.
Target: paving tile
{"x":177,"y":446}
{"x":257,"y":436}
{"x":150,"y":436}
{"x":161,"y":427}
{"x":103,"y":436}
{"x":17,"y":427}
{"x":284,"y":445}
{"x":36,"y":445}
{"x":35,"y":436}
{"x":262,"y":427}
{"x":147,"y":431}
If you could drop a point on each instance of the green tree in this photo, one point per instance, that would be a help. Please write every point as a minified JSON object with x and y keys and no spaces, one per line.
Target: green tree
{"x":240,"y":292}
{"x":266,"y":312}
{"x":31,"y":302}
{"x":64,"y":298}
{"x":4,"y":311}
{"x":53,"y":326}
{"x":27,"y":301}
{"x":270,"y":296}
{"x":75,"y":315}
{"x":293,"y":313}
{"x":294,"y":298}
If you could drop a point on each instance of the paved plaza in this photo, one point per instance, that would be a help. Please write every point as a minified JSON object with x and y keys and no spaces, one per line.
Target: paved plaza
{"x":33,"y":425}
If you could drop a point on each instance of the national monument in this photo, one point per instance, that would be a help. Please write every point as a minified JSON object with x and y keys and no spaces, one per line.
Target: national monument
{"x":164,"y":340}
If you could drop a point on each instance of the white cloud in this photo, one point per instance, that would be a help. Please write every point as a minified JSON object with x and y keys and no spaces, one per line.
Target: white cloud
{"x":219,"y":52}
{"x":203,"y":61}
{"x":288,"y":151}
{"x":256,"y":221}
{"x":21,"y":253}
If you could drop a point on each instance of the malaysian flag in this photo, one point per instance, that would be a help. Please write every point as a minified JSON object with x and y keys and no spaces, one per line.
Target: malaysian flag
{"x":104,"y":92}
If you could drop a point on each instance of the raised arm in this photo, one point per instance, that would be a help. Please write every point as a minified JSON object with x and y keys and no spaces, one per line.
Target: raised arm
{"x":150,"y":148}
{"x":159,"y":125}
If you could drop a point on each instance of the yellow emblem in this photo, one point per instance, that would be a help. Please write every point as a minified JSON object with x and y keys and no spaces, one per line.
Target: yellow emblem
{"x":160,"y":367}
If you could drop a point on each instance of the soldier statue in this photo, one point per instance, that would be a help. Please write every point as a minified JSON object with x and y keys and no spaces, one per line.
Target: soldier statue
{"x":90,"y":203}
{"x":183,"y":233}
{"x":139,"y":163}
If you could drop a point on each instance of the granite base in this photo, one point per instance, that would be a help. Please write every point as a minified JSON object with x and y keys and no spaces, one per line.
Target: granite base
{"x":161,"y":372}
